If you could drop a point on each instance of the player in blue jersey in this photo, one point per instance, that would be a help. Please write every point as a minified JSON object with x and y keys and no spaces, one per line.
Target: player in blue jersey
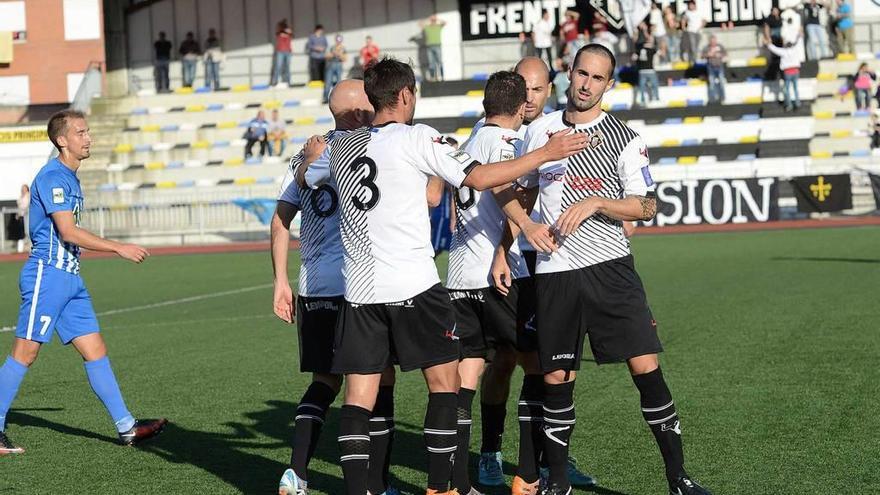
{"x":53,"y":295}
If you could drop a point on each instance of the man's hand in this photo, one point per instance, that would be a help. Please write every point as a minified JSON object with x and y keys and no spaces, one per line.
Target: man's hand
{"x":575,"y":214}
{"x":539,"y":236}
{"x":564,"y":143}
{"x":313,"y":148}
{"x":501,"y":271}
{"x":629,"y":228}
{"x":282,"y":301}
{"x":132,"y":252}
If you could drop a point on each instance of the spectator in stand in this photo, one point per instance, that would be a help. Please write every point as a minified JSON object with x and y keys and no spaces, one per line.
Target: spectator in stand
{"x":569,"y":32}
{"x":658,"y":27}
{"x":771,"y":34}
{"x":527,"y":45}
{"x":863,"y":82}
{"x":845,"y":41}
{"x":601,"y":34}
{"x":673,"y":34}
{"x":316,"y":48}
{"x":277,"y":134}
{"x":189,"y":55}
{"x":874,"y":129}
{"x":817,"y":35}
{"x":432,"y":30}
{"x":544,"y":38}
{"x":716,"y":57}
{"x":561,"y":83}
{"x":162,"y":48}
{"x":15,"y":225}
{"x":335,"y":58}
{"x":772,"y":27}
{"x":790,"y":63}
{"x":283,"y":54}
{"x":213,"y":58}
{"x":256,"y":132}
{"x":369,"y":52}
{"x":692,"y":23}
{"x":649,"y":85}
{"x":572,"y":49}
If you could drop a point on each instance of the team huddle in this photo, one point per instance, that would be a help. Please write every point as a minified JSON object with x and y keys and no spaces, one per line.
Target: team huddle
{"x":539,"y":261}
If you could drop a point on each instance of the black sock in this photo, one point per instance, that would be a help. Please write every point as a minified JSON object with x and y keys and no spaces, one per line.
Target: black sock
{"x":440,"y":438}
{"x":460,"y":478}
{"x":354,"y":448}
{"x":492,"y":426}
{"x":381,"y":438}
{"x":531,"y":422}
{"x":310,"y":415}
{"x":659,"y":412}
{"x":559,"y":422}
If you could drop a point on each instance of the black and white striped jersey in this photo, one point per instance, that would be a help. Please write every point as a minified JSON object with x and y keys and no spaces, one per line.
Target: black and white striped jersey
{"x":320,"y":273}
{"x":524,"y":245}
{"x":480,"y":222}
{"x":382,"y":174}
{"x":613,"y":165}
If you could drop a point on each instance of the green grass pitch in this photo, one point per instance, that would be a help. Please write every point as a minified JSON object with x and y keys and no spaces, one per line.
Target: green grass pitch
{"x":771,"y":353}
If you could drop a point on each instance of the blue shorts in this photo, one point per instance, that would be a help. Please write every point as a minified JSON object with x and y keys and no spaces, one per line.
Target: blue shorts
{"x":53,"y":300}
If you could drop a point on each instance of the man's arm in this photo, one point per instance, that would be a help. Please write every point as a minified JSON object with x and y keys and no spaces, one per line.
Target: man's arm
{"x":434,"y":192}
{"x":280,"y":242}
{"x":628,"y":209}
{"x":70,"y":232}
{"x":517,"y":205}
{"x":561,"y":145}
{"x":312,"y":150}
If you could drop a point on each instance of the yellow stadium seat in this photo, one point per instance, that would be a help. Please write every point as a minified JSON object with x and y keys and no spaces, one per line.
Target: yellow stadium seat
{"x":687,"y":160}
{"x":846,"y":57}
{"x":693,"y":119}
{"x":680,"y":65}
{"x":624,"y":85}
{"x":233,"y":162}
{"x":841,"y":133}
{"x":606,"y":106}
{"x":304,"y":121}
{"x":464,"y":131}
{"x":670,"y":142}
{"x":200,"y":145}
{"x":151,"y":128}
{"x":272,"y":105}
{"x":316,"y":84}
{"x":166,"y":184}
{"x":748,"y":139}
{"x":677,"y":104}
{"x":195,"y":108}
{"x":228,"y":124}
{"x":753,"y":99}
{"x":757,"y":62}
{"x":696,"y":82}
{"x":475,"y":92}
{"x":820,"y":154}
{"x":239,"y":88}
{"x":823,"y":115}
{"x":826,"y":76}
{"x":183,"y":91}
{"x":154,"y":165}
{"x":245,"y":181}
{"x":123,"y":148}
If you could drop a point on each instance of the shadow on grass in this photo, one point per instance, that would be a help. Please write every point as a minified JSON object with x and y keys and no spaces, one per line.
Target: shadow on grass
{"x":828,"y":259}
{"x":17,"y":417}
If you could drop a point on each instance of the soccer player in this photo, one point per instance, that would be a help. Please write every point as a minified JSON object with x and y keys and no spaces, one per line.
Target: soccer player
{"x":588,"y":284}
{"x":53,"y":295}
{"x":321,"y":287}
{"x":495,"y":386}
{"x":394,"y":304}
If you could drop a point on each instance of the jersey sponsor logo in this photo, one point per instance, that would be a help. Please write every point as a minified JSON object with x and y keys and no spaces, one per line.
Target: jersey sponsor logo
{"x":649,"y":181}
{"x":552,"y":176}
{"x":676,"y":427}
{"x":450,"y":334}
{"x":507,"y":155}
{"x":461,"y":156}
{"x":596,"y":139}
{"x":584,"y":183}
{"x":530,"y":325}
{"x":57,"y":195}
{"x":401,"y":304}
{"x":316,"y":305}
{"x":455,"y":295}
{"x":509,"y":139}
{"x":557,"y":357}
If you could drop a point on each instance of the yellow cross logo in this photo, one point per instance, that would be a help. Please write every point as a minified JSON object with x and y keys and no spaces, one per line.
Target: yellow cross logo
{"x":820,"y":189}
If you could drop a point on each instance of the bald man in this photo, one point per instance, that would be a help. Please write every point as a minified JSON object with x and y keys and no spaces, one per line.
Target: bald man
{"x":495,"y":387}
{"x":321,"y":287}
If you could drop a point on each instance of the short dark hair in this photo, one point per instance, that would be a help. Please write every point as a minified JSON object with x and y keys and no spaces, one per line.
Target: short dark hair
{"x":318,"y":26}
{"x":384,"y":80}
{"x":596,"y":48}
{"x":58,"y":124}
{"x":505,"y":92}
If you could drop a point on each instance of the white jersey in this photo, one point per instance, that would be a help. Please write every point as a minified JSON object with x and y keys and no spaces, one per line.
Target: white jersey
{"x":614,"y":165}
{"x":382,"y":174}
{"x":524,"y":245}
{"x":320,"y":273}
{"x":480,"y":222}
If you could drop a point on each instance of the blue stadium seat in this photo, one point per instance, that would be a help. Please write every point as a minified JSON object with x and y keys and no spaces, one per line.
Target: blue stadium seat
{"x":481,"y":76}
{"x":696,"y":102}
{"x":139,"y":111}
{"x":291,"y":103}
{"x":221,"y":144}
{"x":259,"y":87}
{"x":215,"y":107}
{"x":750,"y":116}
{"x":143,"y":147}
{"x":170,"y":128}
{"x":174,"y":164}
{"x":265,"y":180}
{"x":668,"y":160}
{"x":298,"y":140}
{"x":471,"y":114}
{"x":324,"y":120}
{"x":619,"y":106}
{"x":203,"y":89}
{"x":860,"y":153}
{"x":746,"y":156}
{"x":186,"y":183}
{"x":254,"y":160}
{"x":690,"y":142}
{"x":107,"y":187}
{"x":673,"y":120}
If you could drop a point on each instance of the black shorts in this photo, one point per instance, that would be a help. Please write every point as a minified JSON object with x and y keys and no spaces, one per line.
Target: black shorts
{"x":416,"y":333}
{"x":485,"y":320}
{"x":606,"y":301}
{"x":316,"y":321}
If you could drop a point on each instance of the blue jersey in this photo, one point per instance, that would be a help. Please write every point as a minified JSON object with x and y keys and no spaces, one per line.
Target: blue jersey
{"x":55,"y":188}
